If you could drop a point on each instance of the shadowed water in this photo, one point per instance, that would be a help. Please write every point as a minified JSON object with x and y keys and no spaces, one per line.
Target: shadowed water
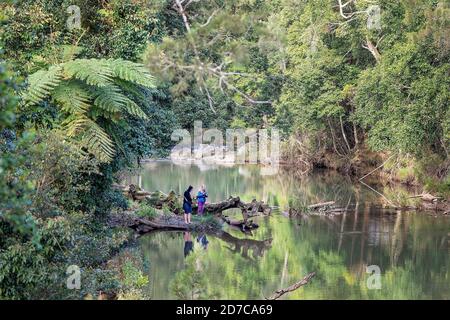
{"x":411,"y":249}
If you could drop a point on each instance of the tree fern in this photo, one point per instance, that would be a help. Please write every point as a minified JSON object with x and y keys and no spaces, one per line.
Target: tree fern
{"x":93,"y":72}
{"x":41,"y":84}
{"x":98,"y":142}
{"x":114,"y":101}
{"x":89,"y":89}
{"x":93,"y":137}
{"x":108,"y":100}
{"x":132,"y":108}
{"x":73,"y":97}
{"x":132,"y":72}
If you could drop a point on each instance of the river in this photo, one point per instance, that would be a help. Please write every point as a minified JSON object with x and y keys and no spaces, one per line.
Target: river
{"x":410,"y":249}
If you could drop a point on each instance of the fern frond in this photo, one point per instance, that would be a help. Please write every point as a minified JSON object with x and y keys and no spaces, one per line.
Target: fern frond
{"x":132,"y":108}
{"x":112,"y":100}
{"x":72,"y":97}
{"x":69,"y":52}
{"x":132,"y":72}
{"x":96,"y":140}
{"x":131,"y":89}
{"x":94,"y":72}
{"x":109,"y":99}
{"x":41,"y":84}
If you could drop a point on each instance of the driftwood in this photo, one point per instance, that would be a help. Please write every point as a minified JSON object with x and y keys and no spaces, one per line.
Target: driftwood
{"x":321,"y":205}
{"x":243,"y":225}
{"x":251,"y":209}
{"x":171,"y":223}
{"x":293,"y":287}
{"x":142,"y":225}
{"x":432,"y":203}
{"x":426,"y":197}
{"x":323,"y":208}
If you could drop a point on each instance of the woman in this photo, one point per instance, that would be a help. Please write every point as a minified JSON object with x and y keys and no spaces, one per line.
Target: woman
{"x":201,"y":199}
{"x":187,"y":205}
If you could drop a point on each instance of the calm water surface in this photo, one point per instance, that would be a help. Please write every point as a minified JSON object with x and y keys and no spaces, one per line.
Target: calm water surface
{"x":411,"y":249}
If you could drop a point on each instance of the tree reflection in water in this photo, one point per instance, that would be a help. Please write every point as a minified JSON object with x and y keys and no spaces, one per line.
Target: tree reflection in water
{"x":411,"y":249}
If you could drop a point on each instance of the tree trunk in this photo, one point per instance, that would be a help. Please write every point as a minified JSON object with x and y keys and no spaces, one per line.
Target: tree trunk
{"x":373,"y":50}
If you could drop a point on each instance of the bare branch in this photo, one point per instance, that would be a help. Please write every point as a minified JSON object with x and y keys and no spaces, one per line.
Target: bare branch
{"x":293,"y":287}
{"x":210,"y":100}
{"x":379,"y":41}
{"x":351,"y":14}
{"x":341,"y":8}
{"x":247,"y":97}
{"x":209,"y":19}
{"x":373,"y":49}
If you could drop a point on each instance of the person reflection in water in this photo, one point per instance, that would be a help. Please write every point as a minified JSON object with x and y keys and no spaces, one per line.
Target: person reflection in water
{"x":188,"y":244}
{"x":203,"y":241}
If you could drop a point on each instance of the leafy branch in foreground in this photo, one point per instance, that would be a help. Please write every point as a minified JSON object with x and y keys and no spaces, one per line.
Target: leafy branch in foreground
{"x":90,"y":96}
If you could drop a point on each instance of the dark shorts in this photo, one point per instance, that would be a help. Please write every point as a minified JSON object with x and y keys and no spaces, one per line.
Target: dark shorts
{"x":187,"y":208}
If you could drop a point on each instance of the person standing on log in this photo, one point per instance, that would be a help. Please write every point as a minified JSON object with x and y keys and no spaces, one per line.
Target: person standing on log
{"x":201,"y":199}
{"x":187,"y":205}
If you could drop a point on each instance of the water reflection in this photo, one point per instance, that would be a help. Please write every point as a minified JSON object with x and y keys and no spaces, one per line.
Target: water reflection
{"x":412,"y":249}
{"x":203,"y":240}
{"x":188,"y":244}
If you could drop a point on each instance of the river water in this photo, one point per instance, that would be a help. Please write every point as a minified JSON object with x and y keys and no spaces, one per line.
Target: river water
{"x":410,"y":249}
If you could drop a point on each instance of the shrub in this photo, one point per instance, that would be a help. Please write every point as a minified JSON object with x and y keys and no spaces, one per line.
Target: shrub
{"x":147,"y":211}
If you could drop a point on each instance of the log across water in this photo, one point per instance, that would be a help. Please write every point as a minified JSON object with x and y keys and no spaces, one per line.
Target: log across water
{"x":176,"y":222}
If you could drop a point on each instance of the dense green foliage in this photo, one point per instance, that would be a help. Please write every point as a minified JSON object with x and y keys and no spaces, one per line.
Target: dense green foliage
{"x":84,"y":113}
{"x":340,"y":84}
{"x":96,"y":100}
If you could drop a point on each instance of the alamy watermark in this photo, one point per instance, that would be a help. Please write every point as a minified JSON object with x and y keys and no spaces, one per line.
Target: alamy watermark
{"x":374,"y":280}
{"x":74,"y":277}
{"x":240,"y":146}
{"x":374,"y":17}
{"x":74,"y":20}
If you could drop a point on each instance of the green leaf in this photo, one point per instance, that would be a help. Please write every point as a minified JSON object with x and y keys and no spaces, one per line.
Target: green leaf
{"x":93,"y":72}
{"x":41,"y":84}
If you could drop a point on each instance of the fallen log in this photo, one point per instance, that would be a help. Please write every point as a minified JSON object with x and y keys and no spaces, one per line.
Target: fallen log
{"x":251,"y":209}
{"x":218,"y":207}
{"x":323,"y":208}
{"x":426,"y":197}
{"x":293,"y":287}
{"x":321,"y":205}
{"x":173,"y":201}
{"x":175,"y":223}
{"x":243,"y":225}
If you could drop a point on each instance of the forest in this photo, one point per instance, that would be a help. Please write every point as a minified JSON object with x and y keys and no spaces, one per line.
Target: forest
{"x":90,"y":89}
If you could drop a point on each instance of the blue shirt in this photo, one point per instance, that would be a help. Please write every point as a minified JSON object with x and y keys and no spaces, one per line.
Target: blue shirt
{"x":201,"y":196}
